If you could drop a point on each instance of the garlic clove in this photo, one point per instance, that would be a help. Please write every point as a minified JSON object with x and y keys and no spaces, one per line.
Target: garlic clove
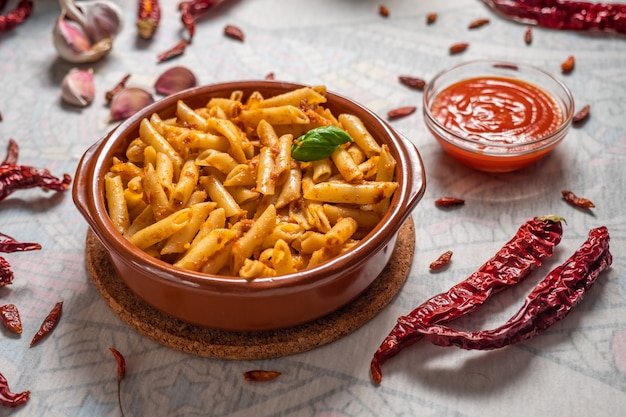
{"x":71,"y":36}
{"x":174,"y":80}
{"x":129,"y":101}
{"x":78,"y":87}
{"x":85,"y":32}
{"x":103,"y":19}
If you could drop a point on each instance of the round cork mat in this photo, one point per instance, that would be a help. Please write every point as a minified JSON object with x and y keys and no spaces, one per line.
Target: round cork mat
{"x":221,"y":344}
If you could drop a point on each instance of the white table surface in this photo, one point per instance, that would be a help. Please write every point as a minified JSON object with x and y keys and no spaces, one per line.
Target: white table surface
{"x":576,"y":368}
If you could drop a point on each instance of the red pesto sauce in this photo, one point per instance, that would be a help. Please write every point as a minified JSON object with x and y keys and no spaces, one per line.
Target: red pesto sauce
{"x":497,"y":110}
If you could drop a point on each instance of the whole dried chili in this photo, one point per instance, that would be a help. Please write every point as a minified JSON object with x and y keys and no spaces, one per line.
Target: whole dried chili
{"x":190,"y":10}
{"x":563,"y":14}
{"x":383,"y":10}
{"x":9,"y":398}
{"x":11,"y":318}
{"x":148,"y":18}
{"x":121,"y":373}
{"x":431,"y":18}
{"x":533,"y":242}
{"x":576,"y":201}
{"x":49,"y":323}
{"x":9,"y":245}
{"x":550,"y":301}
{"x":17,"y":16}
{"x":14,"y":177}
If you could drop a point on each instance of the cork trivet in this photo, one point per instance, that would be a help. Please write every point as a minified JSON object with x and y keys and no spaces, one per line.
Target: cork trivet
{"x":221,"y":344}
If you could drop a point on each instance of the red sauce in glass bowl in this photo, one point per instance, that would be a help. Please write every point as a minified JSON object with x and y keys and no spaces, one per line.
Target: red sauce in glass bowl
{"x":497,"y":110}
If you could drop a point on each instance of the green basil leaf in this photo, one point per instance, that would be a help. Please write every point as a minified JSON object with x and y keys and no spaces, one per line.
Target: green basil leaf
{"x":319,"y":143}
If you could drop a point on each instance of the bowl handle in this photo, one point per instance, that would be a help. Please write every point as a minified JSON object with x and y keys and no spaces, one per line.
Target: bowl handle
{"x":415,"y":164}
{"x":81,"y":190}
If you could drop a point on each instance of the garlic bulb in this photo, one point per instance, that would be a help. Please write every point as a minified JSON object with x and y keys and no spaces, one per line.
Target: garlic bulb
{"x":78,"y":88}
{"x":84,"y":31}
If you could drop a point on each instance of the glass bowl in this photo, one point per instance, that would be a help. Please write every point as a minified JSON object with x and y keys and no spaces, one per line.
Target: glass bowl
{"x":470,"y":129}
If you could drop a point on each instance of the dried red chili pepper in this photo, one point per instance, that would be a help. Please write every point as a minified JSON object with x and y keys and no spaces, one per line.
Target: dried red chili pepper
{"x":234,"y":32}
{"x":15,"y":177}
{"x":431,"y":18}
{"x":11,"y":399}
{"x":177,"y":50}
{"x":148,"y":18}
{"x":412,"y":82}
{"x":563,"y":14}
{"x":121,"y":373}
{"x":567,"y":66}
{"x":400,"y":112}
{"x":118,"y":87}
{"x":189,"y":11}
{"x":533,"y":242}
{"x":576,"y":201}
{"x":17,"y":16}
{"x":457,"y":48}
{"x":49,"y":323}
{"x":475,"y":24}
{"x":449,"y":202}
{"x":6,"y":274}
{"x":11,"y":318}
{"x":12,"y":153}
{"x":443,"y":260}
{"x":9,"y":245}
{"x":383,"y":10}
{"x":550,"y":301}
{"x":260,"y":375}
{"x":581,"y":115}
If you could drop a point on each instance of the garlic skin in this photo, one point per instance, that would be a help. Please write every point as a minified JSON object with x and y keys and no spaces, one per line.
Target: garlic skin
{"x":78,"y":87}
{"x":174,"y":80}
{"x":127,"y":102}
{"x":84,"y":31}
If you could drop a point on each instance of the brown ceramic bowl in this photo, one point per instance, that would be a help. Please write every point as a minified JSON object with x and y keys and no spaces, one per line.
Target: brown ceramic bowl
{"x":235,"y":304}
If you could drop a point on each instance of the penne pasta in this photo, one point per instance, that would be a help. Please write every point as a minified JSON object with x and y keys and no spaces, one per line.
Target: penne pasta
{"x":216,"y":189}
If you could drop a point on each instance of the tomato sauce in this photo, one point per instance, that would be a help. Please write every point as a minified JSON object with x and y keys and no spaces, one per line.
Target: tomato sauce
{"x":497,"y":110}
{"x":499,"y":122}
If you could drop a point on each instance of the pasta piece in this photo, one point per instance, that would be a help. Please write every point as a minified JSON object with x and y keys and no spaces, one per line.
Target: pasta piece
{"x":161,"y":230}
{"x":116,"y":202}
{"x":359,"y":133}
{"x":189,"y":116}
{"x":371,"y":192}
{"x":341,"y":232}
{"x":186,"y":184}
{"x":218,"y":193}
{"x":251,"y":240}
{"x":216,"y":242}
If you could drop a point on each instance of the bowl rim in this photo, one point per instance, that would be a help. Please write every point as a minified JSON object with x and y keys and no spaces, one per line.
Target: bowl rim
{"x":470,"y":144}
{"x":374,"y":241}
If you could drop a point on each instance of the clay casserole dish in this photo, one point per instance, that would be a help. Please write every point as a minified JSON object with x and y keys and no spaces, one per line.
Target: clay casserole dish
{"x":235,"y":304}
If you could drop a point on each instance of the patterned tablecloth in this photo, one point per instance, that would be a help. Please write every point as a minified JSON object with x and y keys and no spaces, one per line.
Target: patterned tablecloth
{"x":576,"y":368}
